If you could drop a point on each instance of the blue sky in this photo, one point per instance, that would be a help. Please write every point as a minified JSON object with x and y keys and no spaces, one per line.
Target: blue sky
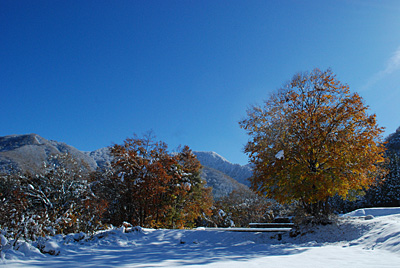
{"x":92,"y":73}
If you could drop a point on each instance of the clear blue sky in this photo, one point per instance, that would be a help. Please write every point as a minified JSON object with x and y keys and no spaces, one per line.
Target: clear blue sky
{"x":92,"y":73}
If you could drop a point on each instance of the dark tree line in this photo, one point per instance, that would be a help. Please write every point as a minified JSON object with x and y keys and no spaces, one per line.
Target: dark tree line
{"x":384,"y":192}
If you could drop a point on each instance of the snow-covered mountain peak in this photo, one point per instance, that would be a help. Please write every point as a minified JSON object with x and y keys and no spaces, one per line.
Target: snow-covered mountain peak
{"x":27,"y":152}
{"x":12,"y":142}
{"x":212,"y":155}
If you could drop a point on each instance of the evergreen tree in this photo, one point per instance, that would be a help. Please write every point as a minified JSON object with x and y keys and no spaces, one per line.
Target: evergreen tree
{"x":387,"y":191}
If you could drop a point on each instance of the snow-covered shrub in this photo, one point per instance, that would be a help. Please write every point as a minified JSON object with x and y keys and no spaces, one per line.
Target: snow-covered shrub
{"x":58,"y":200}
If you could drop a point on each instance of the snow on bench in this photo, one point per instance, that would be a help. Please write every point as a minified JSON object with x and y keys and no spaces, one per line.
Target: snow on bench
{"x":272,"y":225}
{"x":240,"y":229}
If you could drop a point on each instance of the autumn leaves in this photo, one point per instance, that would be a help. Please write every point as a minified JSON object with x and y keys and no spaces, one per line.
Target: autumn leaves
{"x":331,"y":145}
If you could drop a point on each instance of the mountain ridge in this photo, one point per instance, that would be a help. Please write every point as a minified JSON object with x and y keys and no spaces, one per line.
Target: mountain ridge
{"x":28,"y":152}
{"x":236,"y":171}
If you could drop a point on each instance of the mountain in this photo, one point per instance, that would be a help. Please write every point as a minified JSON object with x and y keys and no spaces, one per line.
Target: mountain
{"x":29,"y":152}
{"x":215,"y":161}
{"x":222,"y":184}
{"x":101,"y":157}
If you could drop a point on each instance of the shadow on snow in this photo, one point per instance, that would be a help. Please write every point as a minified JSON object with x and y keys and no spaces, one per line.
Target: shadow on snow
{"x":172,"y":247}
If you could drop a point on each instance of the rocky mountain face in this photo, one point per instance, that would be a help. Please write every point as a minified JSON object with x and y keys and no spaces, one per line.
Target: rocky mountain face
{"x":29,"y":152}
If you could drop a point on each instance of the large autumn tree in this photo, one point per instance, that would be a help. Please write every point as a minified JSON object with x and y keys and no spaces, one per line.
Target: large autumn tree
{"x":311,"y":140}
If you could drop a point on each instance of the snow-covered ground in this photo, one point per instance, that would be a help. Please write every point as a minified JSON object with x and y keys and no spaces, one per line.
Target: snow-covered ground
{"x":359,"y":240}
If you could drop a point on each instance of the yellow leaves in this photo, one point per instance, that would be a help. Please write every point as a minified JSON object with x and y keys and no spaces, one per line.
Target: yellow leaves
{"x":380,"y":160}
{"x":333,"y":143}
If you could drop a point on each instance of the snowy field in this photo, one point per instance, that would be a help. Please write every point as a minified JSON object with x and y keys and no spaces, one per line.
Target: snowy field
{"x":359,"y":240}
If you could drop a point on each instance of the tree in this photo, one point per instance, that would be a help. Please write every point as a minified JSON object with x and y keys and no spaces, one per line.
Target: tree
{"x":311,"y":140}
{"x":150,"y":187}
{"x":193,"y":201}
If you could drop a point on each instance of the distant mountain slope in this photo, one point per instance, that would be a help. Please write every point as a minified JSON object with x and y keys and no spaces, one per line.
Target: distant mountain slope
{"x":28,"y":152}
{"x":215,"y":161}
{"x":222,"y":184}
{"x":101,"y":156}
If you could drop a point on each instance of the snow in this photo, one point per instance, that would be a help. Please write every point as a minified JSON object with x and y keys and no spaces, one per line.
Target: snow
{"x":240,"y":229}
{"x":3,"y":240}
{"x":376,"y":212}
{"x":51,"y":247}
{"x":121,"y":175}
{"x":280,"y":155}
{"x":354,"y":241}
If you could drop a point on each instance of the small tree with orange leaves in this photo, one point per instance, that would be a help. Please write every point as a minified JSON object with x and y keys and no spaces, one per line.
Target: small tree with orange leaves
{"x":311,"y":140}
{"x":150,"y":187}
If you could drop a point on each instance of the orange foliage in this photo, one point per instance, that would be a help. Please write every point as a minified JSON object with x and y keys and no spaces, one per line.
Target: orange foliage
{"x":157,"y":189}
